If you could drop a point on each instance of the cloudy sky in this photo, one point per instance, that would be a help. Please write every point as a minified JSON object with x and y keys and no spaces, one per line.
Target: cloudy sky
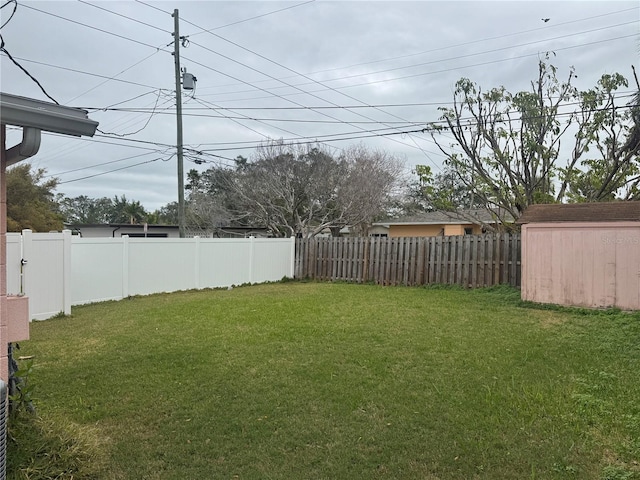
{"x":337,"y":72}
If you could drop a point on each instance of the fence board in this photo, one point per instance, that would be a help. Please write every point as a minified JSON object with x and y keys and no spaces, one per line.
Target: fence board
{"x":430,"y":276}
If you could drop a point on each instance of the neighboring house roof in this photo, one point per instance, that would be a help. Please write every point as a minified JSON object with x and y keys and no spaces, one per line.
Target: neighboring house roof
{"x":120,"y":225}
{"x":582,"y":212}
{"x":469,"y":217}
{"x":91,"y":230}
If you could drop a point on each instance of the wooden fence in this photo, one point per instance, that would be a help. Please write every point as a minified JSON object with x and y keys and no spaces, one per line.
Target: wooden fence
{"x":469,"y":260}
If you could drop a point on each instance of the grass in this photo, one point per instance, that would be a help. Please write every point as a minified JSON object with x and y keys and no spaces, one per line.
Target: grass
{"x":336,"y":381}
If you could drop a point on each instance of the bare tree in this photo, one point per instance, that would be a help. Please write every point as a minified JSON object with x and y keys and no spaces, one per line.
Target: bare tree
{"x":372,"y":180}
{"x":301,"y":190}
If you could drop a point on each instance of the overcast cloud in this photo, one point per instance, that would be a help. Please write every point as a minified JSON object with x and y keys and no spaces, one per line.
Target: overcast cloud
{"x":266,"y":60}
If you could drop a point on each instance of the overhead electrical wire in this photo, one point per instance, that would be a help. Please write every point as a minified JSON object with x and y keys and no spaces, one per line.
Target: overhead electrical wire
{"x":271,"y":119}
{"x":425,"y":129}
{"x":274,"y":94}
{"x":97,"y":165}
{"x":354,"y":133}
{"x":128,"y":145}
{"x":73,"y":70}
{"x":341,"y":107}
{"x":26,"y":72}
{"x":151,"y":114}
{"x":468,"y":55}
{"x":195,"y":154}
{"x":96,"y":28}
{"x":15,"y":7}
{"x":622,"y":94}
{"x":165,"y":31}
{"x":258,"y":71}
{"x":4,"y":50}
{"x":113,"y":77}
{"x":314,"y":81}
{"x":110,"y":106}
{"x":447,"y":47}
{"x":252,"y":18}
{"x":423,"y":74}
{"x":317,"y":82}
{"x":73,"y":145}
{"x":202,"y":102}
{"x":125,"y":16}
{"x":112,"y":171}
{"x":407,"y":123}
{"x":107,"y":32}
{"x":232,"y":23}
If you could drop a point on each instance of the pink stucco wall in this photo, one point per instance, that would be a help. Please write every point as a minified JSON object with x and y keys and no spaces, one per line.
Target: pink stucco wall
{"x":4,"y":321}
{"x":582,"y":264}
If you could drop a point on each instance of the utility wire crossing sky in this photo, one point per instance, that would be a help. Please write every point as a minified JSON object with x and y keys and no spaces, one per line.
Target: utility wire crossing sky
{"x":338,"y":73}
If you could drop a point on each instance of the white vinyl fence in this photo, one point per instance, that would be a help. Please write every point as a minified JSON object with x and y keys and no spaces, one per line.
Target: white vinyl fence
{"x":58,"y":270}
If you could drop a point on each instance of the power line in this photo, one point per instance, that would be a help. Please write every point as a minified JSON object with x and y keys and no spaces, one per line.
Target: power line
{"x":374,"y":132}
{"x":112,"y":171}
{"x":623,"y":93}
{"x":251,"y":68}
{"x":125,"y":16}
{"x":73,"y":70}
{"x":202,"y":102}
{"x":128,"y":145}
{"x":251,"y":18}
{"x":6,"y":52}
{"x":97,"y":165}
{"x":484,"y":52}
{"x":15,"y":7}
{"x":110,"y":106}
{"x":232,"y":23}
{"x":74,"y":146}
{"x":153,"y":112}
{"x":287,"y":120}
{"x":311,"y":139}
{"x":319,"y":83}
{"x":13,"y":60}
{"x":107,"y":32}
{"x":274,"y":94}
{"x":196,"y":152}
{"x":114,"y":77}
{"x":447,"y":47}
{"x":435,"y":72}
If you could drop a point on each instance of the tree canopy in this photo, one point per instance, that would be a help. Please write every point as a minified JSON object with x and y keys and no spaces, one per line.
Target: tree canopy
{"x":31,"y":200}
{"x":85,"y":210}
{"x":507,"y":149}
{"x":296,"y":190}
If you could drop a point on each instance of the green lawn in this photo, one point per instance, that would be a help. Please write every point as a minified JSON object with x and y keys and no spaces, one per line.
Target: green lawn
{"x":338,"y":381}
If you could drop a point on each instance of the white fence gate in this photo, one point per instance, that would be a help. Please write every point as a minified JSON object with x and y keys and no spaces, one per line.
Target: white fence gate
{"x":58,"y":270}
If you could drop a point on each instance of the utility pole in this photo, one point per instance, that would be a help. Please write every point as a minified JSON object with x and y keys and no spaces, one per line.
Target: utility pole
{"x":176,"y":55}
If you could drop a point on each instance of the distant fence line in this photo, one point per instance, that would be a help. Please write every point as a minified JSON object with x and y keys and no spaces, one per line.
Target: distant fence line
{"x":468,"y":260}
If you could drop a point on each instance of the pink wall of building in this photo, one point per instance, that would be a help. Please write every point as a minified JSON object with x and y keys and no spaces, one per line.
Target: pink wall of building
{"x":4,"y":321}
{"x":589,"y":264}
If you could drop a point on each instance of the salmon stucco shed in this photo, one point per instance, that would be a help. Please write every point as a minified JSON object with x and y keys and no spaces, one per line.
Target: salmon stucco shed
{"x":585,"y":254}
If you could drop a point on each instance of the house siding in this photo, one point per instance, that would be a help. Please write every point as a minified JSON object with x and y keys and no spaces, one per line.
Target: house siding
{"x":415,"y":230}
{"x":432,"y":230}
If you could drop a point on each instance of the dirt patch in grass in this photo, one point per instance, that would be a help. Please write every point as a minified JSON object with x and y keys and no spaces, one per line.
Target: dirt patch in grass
{"x":549,"y":318}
